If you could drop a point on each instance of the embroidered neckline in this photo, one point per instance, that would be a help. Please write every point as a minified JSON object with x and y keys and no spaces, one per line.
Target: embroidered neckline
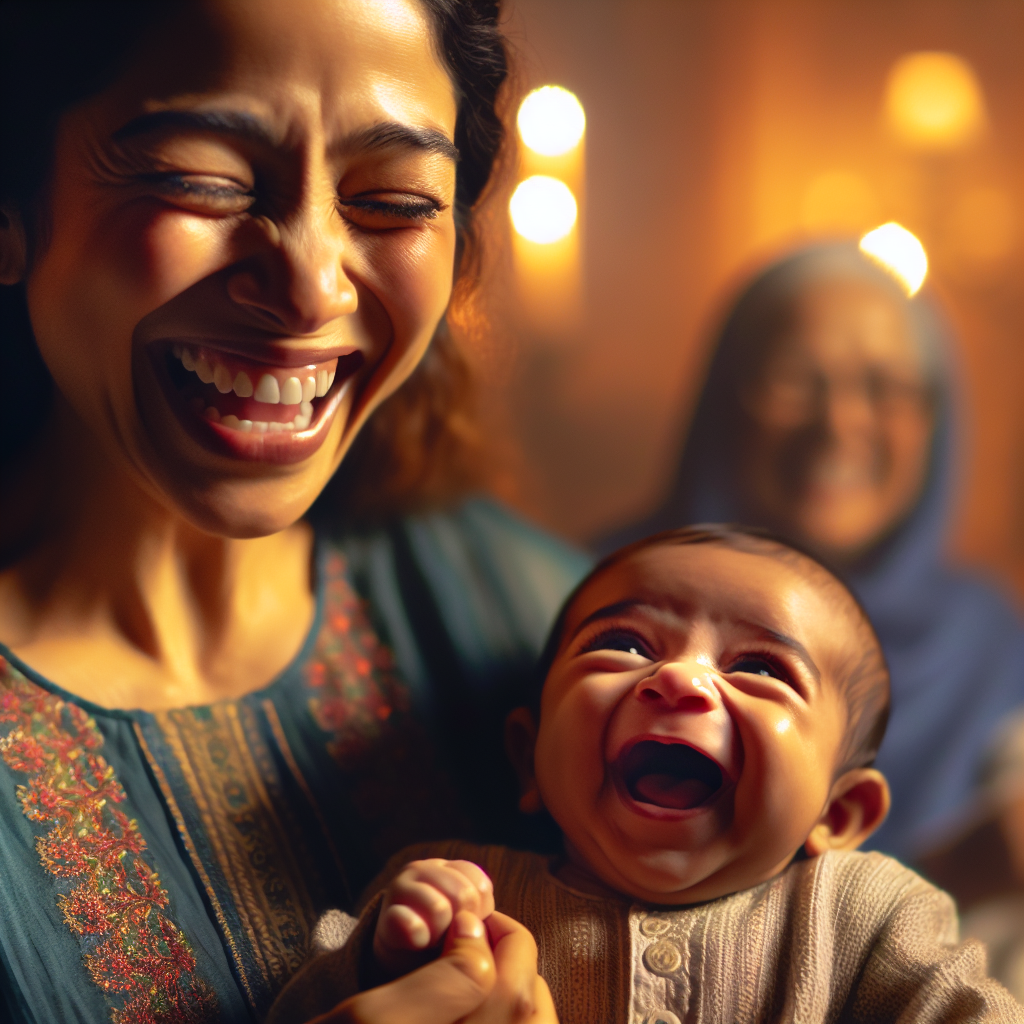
{"x":133,"y":950}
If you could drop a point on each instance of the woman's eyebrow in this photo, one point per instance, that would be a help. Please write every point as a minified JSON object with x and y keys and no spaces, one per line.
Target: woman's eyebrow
{"x":250,"y":128}
{"x":236,"y":123}
{"x":394,"y":133}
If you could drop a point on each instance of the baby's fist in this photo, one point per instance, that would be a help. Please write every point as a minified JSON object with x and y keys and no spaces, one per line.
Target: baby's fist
{"x":419,"y":906}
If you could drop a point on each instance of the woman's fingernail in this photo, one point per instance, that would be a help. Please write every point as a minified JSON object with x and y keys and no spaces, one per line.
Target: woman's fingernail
{"x":467,"y":926}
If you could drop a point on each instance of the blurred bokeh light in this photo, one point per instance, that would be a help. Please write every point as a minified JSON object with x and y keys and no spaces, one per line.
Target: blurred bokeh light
{"x":543,"y":209}
{"x":899,"y":252}
{"x":551,"y":120}
{"x":933,"y":101}
{"x":838,"y":202}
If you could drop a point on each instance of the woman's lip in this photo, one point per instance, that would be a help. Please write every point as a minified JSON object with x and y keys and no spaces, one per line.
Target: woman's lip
{"x":283,"y":448}
{"x":268,"y":353}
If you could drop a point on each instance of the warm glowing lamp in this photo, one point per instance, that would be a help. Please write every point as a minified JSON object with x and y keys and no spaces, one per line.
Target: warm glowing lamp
{"x":546,"y":211}
{"x":551,"y":121}
{"x":543,"y":209}
{"x":899,"y":252}
{"x":933,"y":101}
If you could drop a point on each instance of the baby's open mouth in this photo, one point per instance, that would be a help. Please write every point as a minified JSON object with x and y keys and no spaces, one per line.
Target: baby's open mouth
{"x":669,"y":774}
{"x":242,"y":395}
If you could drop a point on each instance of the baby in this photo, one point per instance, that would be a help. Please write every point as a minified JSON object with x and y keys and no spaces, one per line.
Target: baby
{"x":712,"y":701}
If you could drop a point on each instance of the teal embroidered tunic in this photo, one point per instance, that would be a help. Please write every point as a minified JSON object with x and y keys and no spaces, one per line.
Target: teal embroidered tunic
{"x":169,"y":867}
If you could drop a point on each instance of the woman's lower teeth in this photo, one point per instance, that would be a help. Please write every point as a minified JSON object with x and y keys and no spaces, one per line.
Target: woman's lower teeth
{"x":301,"y":421}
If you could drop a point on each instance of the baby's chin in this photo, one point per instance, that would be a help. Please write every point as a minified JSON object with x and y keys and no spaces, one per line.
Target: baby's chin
{"x":666,"y":877}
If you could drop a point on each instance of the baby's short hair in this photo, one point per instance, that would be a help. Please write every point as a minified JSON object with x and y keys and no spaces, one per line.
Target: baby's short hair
{"x":863,"y":679}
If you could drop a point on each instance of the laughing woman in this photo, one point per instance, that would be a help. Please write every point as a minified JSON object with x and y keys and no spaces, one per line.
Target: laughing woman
{"x":229,"y":233}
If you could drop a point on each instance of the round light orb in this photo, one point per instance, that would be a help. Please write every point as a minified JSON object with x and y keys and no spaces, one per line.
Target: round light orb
{"x":933,"y":101}
{"x":551,"y":120}
{"x":543,"y":209}
{"x":898,"y":251}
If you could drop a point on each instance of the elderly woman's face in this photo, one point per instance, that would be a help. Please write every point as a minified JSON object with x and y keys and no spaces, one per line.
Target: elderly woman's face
{"x":839,"y":420}
{"x":251,"y":242}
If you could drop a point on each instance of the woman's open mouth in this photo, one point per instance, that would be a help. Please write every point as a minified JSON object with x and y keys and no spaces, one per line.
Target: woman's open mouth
{"x":668,"y":775}
{"x":252,"y":409}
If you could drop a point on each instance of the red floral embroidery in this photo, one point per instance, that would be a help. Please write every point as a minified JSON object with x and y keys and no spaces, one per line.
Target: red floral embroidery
{"x":353,"y":671}
{"x":134,"y":949}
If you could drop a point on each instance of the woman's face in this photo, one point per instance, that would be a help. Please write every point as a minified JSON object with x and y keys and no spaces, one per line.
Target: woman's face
{"x":839,"y":420}
{"x":251,"y":242}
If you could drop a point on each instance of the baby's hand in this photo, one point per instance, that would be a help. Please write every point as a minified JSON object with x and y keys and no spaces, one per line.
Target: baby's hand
{"x":419,"y":906}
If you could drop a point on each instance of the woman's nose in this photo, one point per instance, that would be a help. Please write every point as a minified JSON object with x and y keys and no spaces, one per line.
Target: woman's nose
{"x":680,"y":686}
{"x":298,"y":283}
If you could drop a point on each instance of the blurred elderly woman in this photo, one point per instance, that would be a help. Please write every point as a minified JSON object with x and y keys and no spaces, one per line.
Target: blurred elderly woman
{"x":829,"y":417}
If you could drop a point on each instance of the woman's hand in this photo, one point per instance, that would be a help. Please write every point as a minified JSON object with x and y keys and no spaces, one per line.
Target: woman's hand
{"x":485,"y":975}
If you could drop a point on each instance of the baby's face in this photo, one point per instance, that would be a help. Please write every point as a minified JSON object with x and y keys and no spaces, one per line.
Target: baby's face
{"x":690,"y":727}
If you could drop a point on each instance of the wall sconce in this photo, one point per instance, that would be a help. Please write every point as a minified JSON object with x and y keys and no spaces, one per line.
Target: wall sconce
{"x":545,"y":210}
{"x":933,"y":101}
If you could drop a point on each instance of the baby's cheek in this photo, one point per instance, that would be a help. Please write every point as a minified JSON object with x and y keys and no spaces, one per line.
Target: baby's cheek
{"x":569,"y":760}
{"x":786,"y":777}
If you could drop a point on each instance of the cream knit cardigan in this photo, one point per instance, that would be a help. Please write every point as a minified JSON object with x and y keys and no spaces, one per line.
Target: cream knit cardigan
{"x":844,"y":937}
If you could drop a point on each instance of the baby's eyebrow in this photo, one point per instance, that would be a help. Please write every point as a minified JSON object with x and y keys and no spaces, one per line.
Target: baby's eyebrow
{"x":787,"y":641}
{"x":610,"y":611}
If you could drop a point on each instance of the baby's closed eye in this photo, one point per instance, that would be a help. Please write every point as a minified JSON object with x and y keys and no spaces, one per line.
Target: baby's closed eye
{"x":624,"y":640}
{"x":758,"y":665}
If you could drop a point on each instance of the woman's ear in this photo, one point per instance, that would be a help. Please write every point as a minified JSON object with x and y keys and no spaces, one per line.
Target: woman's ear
{"x":520,"y":738}
{"x":13,"y":250}
{"x":857,"y":805}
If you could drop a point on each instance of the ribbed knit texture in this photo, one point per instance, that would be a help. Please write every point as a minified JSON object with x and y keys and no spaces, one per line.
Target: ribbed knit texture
{"x":844,"y":937}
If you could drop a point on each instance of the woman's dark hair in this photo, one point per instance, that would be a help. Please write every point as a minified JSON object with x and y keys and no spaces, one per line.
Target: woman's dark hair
{"x":420,"y":447}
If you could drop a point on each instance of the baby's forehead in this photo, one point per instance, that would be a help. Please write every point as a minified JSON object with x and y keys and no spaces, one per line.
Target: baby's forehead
{"x":761,"y":581}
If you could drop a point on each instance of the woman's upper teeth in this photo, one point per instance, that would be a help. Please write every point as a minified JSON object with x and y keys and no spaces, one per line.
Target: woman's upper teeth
{"x":284,"y":386}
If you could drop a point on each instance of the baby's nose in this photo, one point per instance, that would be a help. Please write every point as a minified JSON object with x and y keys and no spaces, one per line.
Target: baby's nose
{"x":680,"y":686}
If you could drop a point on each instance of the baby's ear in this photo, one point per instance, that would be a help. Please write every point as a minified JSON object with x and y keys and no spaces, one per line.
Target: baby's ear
{"x":520,"y":738}
{"x":857,"y":805}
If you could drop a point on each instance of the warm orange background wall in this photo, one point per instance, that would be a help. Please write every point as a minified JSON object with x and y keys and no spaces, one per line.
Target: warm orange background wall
{"x":707,"y":122}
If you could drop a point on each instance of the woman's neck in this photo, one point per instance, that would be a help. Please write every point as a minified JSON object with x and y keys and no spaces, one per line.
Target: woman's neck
{"x":122,"y":601}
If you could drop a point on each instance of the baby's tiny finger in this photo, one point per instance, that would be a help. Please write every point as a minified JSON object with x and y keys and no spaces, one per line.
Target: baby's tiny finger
{"x":481,"y":881}
{"x":462,"y":891}
{"x":426,"y":900}
{"x":400,"y":927}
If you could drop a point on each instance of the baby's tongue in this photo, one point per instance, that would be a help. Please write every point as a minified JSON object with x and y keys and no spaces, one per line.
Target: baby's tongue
{"x":665,"y":790}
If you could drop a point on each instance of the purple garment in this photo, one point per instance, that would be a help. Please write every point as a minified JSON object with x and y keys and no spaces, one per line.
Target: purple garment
{"x":954,"y":643}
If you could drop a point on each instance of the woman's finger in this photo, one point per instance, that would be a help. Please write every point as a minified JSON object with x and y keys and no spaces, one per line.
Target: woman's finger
{"x":519,"y":995}
{"x":442,"y":992}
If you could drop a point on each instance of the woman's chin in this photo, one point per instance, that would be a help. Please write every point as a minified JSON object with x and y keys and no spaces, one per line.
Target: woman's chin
{"x":243,"y":508}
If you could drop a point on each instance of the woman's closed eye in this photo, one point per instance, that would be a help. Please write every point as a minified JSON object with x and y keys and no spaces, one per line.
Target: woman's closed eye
{"x":380,"y":213}
{"x":204,"y":193}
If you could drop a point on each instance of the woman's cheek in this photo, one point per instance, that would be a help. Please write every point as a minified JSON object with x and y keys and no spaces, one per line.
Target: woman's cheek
{"x":411,"y":277}
{"x":158,"y":254}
